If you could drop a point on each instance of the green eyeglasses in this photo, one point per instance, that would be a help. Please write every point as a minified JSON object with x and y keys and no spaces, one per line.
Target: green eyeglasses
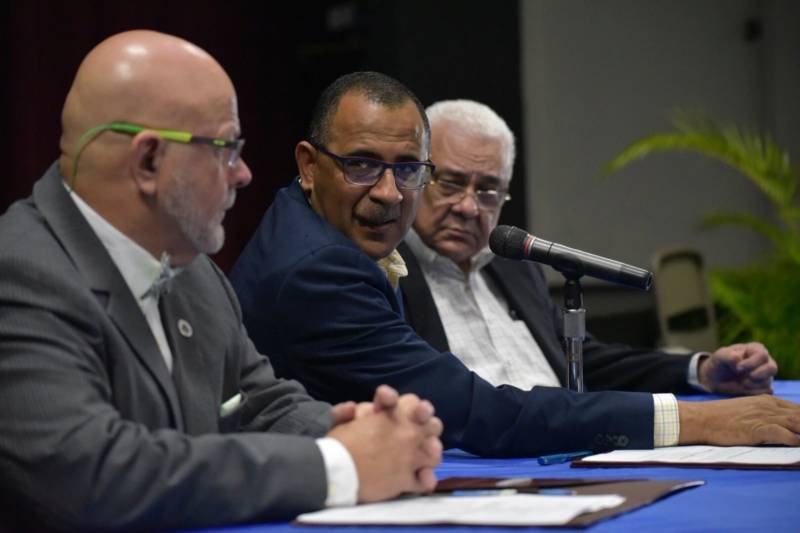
{"x":234,"y":146}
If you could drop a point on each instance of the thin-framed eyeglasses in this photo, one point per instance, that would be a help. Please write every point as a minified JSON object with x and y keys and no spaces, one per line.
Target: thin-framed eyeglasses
{"x":366,"y":171}
{"x":234,"y":146}
{"x":453,"y":192}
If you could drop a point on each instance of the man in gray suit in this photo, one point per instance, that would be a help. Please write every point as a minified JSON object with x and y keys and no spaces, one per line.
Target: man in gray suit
{"x":130,"y":394}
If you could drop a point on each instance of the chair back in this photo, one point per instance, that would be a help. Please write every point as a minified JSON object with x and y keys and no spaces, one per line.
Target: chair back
{"x":683,"y":301}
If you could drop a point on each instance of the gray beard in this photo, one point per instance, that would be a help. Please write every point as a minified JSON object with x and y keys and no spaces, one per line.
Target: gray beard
{"x":206,"y":236}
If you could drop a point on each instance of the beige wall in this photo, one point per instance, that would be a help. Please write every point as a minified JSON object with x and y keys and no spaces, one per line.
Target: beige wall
{"x":598,"y":74}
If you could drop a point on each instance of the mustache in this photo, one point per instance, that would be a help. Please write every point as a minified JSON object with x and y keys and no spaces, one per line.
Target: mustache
{"x":376,"y":214}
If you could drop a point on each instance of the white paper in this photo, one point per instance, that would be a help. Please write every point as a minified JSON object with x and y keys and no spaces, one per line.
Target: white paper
{"x":505,"y":510}
{"x":751,"y":455}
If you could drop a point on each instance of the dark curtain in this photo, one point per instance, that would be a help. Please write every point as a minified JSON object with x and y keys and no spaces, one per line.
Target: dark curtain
{"x":279,"y":55}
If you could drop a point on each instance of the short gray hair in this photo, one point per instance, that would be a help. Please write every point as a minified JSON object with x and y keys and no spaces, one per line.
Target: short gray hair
{"x":477,"y":119}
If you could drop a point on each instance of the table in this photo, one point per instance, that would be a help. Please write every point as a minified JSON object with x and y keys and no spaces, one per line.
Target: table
{"x":731,"y":500}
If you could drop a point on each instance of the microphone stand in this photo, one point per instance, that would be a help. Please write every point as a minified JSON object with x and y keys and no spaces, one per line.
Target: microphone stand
{"x":514,"y":243}
{"x":574,"y":326}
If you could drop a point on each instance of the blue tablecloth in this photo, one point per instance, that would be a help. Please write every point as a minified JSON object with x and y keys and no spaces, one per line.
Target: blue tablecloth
{"x":731,"y":500}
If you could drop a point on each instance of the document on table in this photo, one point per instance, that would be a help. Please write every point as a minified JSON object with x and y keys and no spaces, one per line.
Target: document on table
{"x":728,"y":456}
{"x":495,"y":510}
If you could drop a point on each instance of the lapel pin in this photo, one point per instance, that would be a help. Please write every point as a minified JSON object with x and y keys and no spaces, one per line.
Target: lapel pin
{"x":185,"y":328}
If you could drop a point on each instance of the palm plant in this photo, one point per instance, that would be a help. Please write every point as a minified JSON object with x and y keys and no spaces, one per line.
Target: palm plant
{"x":762,"y":300}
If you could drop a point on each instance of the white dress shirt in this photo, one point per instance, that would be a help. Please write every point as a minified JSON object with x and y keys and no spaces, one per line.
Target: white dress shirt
{"x":476,"y":319}
{"x":501,"y":349}
{"x":139,"y":269}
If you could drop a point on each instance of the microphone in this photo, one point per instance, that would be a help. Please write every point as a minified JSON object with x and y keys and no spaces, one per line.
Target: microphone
{"x":514,"y":243}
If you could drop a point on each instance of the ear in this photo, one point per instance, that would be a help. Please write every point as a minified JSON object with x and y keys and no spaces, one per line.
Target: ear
{"x":306,"y":156}
{"x":146,"y":157}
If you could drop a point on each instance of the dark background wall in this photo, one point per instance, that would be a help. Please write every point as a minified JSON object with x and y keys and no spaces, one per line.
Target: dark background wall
{"x":280,"y":55}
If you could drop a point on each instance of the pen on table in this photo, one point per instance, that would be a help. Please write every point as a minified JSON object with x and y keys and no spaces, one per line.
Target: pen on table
{"x":506,"y":492}
{"x":483,"y":492}
{"x":562,"y":457}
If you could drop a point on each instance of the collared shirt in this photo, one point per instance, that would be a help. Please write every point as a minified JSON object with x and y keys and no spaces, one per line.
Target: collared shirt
{"x":139,"y":269}
{"x":482,"y":334}
{"x":477,"y":322}
{"x":394,"y":267}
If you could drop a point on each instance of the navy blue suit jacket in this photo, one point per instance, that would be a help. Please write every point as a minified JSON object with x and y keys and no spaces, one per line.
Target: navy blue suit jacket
{"x":606,"y":366}
{"x":327,"y":316}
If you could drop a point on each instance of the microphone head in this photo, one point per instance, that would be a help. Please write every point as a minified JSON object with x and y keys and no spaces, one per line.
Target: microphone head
{"x":508,"y":241}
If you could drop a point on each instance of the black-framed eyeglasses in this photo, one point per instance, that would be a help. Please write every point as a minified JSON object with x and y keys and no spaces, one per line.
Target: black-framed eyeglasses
{"x":365,"y":171}
{"x":453,"y":192}
{"x":234,"y":146}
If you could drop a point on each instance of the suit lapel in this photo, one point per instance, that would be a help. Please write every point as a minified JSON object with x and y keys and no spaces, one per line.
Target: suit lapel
{"x":526,"y":295}
{"x":419,"y":308}
{"x":199,"y":403}
{"x":102,"y":276}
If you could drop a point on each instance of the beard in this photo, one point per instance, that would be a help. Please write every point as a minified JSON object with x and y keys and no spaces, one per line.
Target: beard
{"x":205,"y":234}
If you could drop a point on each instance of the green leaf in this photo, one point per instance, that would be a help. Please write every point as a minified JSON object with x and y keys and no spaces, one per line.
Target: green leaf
{"x":760,"y":301}
{"x":770,"y":231}
{"x":757,"y":157}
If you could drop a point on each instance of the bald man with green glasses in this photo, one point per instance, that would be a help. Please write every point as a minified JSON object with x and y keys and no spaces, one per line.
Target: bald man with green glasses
{"x":130,"y":394}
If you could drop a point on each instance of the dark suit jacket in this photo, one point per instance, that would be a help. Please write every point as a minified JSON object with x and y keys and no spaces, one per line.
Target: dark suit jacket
{"x":606,"y":366}
{"x":329,"y":318}
{"x":95,"y":432}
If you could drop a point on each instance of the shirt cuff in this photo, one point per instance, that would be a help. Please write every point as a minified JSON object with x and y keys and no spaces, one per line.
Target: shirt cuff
{"x":340,"y":471}
{"x":693,"y":378}
{"x":666,"y":422}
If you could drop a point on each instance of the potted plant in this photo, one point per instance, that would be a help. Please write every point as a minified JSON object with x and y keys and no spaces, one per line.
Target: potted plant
{"x":761,"y":300}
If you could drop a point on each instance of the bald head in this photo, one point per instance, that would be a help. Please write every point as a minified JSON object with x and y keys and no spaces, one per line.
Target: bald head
{"x":167,"y":196}
{"x":143,"y":77}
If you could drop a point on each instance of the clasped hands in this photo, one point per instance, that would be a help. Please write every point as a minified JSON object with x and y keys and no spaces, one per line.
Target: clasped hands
{"x":738,"y":369}
{"x":394,"y":443}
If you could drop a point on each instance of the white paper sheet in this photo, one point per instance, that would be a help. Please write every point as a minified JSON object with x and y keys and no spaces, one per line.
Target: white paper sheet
{"x":505,"y":510}
{"x":754,"y":455}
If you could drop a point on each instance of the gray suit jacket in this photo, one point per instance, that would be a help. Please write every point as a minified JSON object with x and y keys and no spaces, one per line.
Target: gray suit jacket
{"x":95,"y":432}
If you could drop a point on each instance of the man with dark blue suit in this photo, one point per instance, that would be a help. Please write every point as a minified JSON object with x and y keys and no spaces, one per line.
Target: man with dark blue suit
{"x":318,"y":288}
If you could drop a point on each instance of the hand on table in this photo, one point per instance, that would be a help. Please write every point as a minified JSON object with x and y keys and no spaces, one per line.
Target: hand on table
{"x":738,"y":369}
{"x":746,"y":421}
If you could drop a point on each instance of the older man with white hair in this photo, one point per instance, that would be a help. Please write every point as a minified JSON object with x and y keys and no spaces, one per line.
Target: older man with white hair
{"x":495,"y":314}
